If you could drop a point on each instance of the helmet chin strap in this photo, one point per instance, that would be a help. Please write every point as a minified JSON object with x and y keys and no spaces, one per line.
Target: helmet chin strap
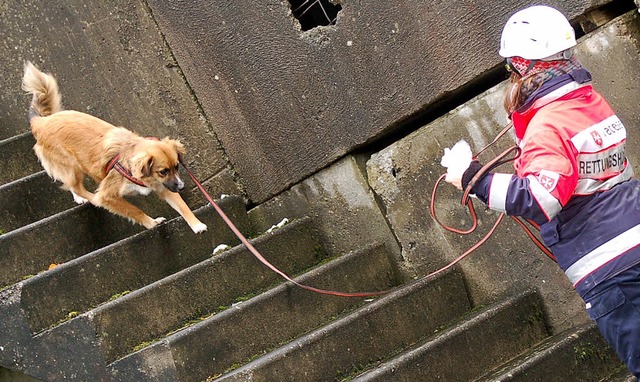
{"x":512,"y":67}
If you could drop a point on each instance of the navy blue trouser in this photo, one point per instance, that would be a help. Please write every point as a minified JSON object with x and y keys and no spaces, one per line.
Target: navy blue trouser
{"x":615,"y":306}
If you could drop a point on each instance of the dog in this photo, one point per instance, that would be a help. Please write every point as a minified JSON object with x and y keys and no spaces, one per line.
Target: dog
{"x":71,"y":144}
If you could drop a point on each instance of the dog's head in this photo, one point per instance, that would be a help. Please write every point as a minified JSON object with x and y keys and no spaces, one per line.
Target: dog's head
{"x":156,"y":164}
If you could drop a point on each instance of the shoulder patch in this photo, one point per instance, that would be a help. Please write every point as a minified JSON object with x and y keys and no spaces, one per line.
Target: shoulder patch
{"x":548,"y":179}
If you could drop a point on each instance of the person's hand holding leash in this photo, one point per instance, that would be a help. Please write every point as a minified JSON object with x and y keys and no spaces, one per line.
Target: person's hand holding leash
{"x":456,"y":160}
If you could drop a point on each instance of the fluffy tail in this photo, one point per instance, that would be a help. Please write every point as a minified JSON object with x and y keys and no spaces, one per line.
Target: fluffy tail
{"x":46,"y":96}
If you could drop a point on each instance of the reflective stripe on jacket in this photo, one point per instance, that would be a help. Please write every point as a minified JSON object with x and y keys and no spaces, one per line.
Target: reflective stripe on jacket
{"x":568,"y":180}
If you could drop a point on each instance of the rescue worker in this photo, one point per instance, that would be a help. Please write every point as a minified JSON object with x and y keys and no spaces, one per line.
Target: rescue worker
{"x":572,"y":178}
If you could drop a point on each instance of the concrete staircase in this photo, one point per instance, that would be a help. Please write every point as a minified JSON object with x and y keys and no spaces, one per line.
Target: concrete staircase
{"x":128,"y":304}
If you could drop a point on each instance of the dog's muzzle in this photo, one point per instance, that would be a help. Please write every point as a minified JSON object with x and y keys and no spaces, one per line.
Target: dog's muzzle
{"x":174,"y":185}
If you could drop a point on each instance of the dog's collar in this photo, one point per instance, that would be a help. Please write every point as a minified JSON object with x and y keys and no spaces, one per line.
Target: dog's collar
{"x":115,"y":164}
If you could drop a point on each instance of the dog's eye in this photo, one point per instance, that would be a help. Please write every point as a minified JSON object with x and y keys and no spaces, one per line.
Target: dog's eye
{"x":164,"y":171}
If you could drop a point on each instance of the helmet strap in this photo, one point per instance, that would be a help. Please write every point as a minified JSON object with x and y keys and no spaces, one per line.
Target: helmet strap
{"x":531,"y":65}
{"x":513,"y":68}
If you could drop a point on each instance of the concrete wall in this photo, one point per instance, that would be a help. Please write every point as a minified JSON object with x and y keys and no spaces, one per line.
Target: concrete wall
{"x":404,"y":173}
{"x":287,"y":103}
{"x":110,"y":60}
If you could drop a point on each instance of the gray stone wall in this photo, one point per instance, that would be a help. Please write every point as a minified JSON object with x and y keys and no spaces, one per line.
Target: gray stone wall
{"x":286,"y":103}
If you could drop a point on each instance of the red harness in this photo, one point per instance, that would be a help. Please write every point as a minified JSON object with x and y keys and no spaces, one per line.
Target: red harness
{"x":115,"y":164}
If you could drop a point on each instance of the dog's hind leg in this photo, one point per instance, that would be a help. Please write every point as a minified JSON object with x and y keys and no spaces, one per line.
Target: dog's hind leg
{"x":120,"y":206}
{"x":75,"y":184}
{"x":81,"y":195}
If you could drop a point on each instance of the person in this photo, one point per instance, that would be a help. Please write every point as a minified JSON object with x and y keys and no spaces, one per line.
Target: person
{"x":572,"y":178}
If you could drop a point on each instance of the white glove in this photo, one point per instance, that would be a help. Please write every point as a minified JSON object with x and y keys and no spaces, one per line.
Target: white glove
{"x":456,"y":160}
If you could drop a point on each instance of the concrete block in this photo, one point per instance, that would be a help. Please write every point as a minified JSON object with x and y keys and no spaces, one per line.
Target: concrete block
{"x":51,"y":355}
{"x":286,"y":103}
{"x":480,"y":343}
{"x":29,"y":250}
{"x":17,"y":158}
{"x":169,"y":304}
{"x":339,"y":200}
{"x":30,"y":199}
{"x":579,"y":354}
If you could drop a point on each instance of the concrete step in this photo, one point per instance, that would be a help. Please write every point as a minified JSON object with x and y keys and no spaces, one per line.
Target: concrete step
{"x":480,"y":342}
{"x":65,"y":236}
{"x":17,"y":158}
{"x":30,"y":199}
{"x":88,"y":280}
{"x":621,"y":375}
{"x":264,"y":322}
{"x":29,"y":250}
{"x":393,"y":322}
{"x":580,"y":354}
{"x":200,"y":290}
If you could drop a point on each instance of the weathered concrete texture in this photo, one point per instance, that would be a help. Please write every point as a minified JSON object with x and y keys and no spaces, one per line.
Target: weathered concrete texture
{"x":341,"y":204}
{"x":17,"y":158}
{"x":15,"y":376}
{"x":612,"y":55}
{"x":290,"y":312}
{"x":111,"y":61}
{"x":286,"y":103}
{"x":580,"y":354}
{"x":404,"y":174}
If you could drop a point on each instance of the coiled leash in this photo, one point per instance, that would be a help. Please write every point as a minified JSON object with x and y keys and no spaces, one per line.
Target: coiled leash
{"x":509,"y":155}
{"x":261,"y":258}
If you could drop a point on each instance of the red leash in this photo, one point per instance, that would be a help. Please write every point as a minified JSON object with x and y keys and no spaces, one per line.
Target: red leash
{"x":465,"y":201}
{"x":497,"y":161}
{"x":261,"y":258}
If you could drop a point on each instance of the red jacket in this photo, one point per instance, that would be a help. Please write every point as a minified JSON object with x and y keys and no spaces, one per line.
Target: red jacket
{"x":571,"y":179}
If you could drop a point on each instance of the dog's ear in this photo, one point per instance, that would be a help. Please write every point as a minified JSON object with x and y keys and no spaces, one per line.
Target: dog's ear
{"x":177,"y":146}
{"x":147,"y":163}
{"x":142,"y":162}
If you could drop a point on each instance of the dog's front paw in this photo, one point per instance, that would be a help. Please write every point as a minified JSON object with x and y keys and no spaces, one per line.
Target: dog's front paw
{"x":198,"y":228}
{"x":159,"y":220}
{"x":154,"y":222}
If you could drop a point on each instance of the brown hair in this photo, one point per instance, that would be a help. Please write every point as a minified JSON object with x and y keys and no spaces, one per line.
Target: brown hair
{"x":517,"y":91}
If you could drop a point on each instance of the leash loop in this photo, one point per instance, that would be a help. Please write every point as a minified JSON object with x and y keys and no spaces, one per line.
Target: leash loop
{"x":501,"y":159}
{"x":508,"y":155}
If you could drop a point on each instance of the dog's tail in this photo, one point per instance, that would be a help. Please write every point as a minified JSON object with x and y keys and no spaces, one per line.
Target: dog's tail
{"x":46,"y":95}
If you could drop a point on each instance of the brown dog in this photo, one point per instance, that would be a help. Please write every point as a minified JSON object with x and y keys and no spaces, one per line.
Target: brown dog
{"x":70,"y":144}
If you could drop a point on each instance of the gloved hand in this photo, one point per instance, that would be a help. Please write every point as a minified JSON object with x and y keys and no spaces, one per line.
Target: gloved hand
{"x":456,"y":160}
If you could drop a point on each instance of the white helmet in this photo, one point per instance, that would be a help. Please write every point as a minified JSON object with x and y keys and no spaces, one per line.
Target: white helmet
{"x":536,"y":33}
